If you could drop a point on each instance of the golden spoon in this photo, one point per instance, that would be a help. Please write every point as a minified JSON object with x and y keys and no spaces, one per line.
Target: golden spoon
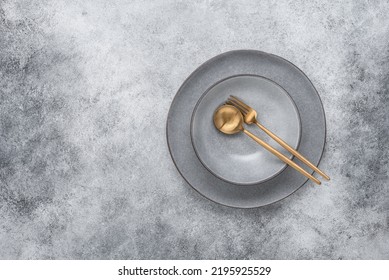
{"x":229,"y":120}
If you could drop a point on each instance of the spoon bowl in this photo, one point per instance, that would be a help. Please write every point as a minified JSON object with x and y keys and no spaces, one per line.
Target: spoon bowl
{"x":228,"y":119}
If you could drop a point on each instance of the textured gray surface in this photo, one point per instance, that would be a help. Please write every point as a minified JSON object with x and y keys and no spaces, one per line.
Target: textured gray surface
{"x":85,"y":88}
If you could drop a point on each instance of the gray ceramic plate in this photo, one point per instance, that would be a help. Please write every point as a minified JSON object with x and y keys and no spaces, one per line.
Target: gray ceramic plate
{"x":236,"y":158}
{"x":233,"y":63}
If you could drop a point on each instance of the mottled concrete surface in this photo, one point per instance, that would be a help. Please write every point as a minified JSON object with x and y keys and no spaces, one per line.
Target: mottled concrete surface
{"x":85,"y":87}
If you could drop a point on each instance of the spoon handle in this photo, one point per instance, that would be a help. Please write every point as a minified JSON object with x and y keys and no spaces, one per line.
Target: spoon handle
{"x":281,"y":156}
{"x":291,"y":150}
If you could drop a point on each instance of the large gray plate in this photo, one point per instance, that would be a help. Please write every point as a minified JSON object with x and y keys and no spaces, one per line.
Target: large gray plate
{"x":277,"y":69}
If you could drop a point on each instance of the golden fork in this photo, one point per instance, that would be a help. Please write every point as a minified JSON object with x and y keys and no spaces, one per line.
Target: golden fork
{"x":250,"y":117}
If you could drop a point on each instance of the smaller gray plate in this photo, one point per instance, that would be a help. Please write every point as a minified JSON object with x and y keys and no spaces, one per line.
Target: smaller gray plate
{"x":236,"y":158}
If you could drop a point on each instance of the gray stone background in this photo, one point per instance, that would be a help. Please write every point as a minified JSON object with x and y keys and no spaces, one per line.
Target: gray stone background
{"x":85,"y":87}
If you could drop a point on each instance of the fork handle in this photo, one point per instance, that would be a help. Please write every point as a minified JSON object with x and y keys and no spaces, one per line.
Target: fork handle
{"x":291,"y":150}
{"x":281,"y":156}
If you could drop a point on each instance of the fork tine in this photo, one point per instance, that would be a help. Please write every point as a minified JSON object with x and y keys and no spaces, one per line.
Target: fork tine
{"x":237,"y":100}
{"x":228,"y":102}
{"x":237,"y":105}
{"x":241,"y":102}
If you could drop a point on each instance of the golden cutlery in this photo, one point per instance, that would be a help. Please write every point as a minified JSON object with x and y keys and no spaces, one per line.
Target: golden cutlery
{"x":229,"y":120}
{"x":250,"y":117}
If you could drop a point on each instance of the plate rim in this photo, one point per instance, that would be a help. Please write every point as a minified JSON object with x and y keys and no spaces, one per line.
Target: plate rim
{"x":198,"y":68}
{"x":205,"y":94}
